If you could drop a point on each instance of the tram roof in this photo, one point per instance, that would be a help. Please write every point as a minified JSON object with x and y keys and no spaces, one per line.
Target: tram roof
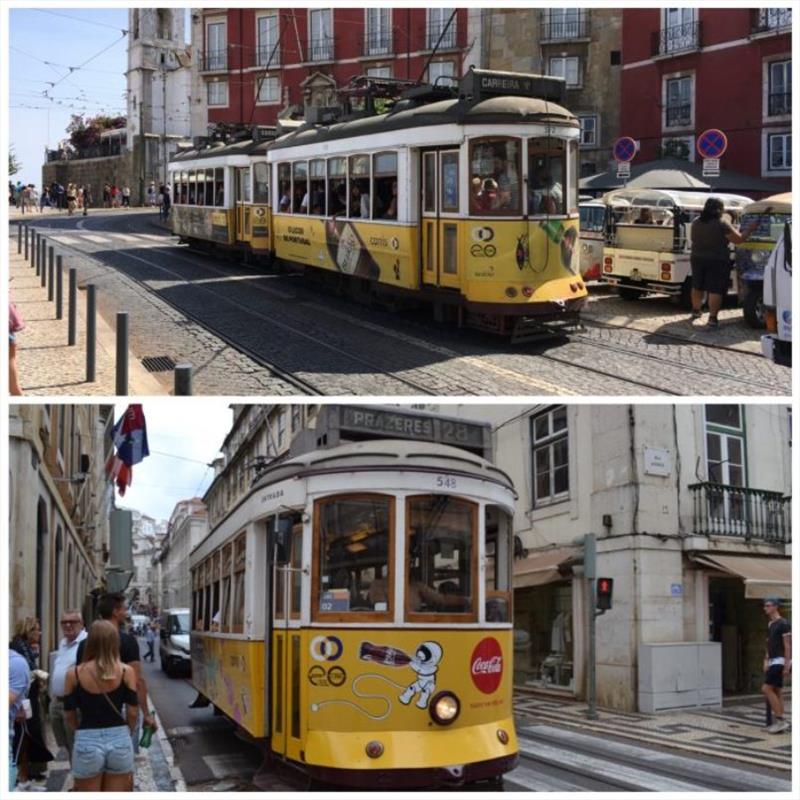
{"x":246,"y":147}
{"x":494,"y":110}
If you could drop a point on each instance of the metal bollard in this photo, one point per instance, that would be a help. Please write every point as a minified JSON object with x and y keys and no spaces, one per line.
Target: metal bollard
{"x":183,"y":380}
{"x":91,"y":333}
{"x":72,"y":307}
{"x":19,"y":237}
{"x":51,"y":258}
{"x":122,"y":353}
{"x":27,"y":236}
{"x":38,"y":251}
{"x":59,"y":286}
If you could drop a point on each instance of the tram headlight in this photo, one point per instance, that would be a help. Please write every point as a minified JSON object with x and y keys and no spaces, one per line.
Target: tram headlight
{"x":445,"y":708}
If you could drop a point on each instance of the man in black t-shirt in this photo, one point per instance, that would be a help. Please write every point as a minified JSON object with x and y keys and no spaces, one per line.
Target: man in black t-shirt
{"x":114,"y":607}
{"x":777,"y":662}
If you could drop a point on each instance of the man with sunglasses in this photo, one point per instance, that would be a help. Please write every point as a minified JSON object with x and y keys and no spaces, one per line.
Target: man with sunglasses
{"x":62,"y":660}
{"x":777,"y":662}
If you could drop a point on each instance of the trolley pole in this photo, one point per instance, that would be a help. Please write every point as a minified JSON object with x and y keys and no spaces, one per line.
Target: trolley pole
{"x":590,"y":573}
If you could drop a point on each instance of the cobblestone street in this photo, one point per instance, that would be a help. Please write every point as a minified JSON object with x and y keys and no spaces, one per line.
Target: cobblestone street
{"x":248,"y":332}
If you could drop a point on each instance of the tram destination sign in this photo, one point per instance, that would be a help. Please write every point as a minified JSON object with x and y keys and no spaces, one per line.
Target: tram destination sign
{"x":385,"y":422}
{"x":480,"y":84}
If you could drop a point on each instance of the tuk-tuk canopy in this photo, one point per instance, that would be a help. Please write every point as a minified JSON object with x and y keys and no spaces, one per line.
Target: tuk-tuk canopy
{"x":671,"y":199}
{"x":777,"y":203}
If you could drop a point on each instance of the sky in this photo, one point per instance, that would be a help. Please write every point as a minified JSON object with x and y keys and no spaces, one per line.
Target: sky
{"x":65,"y":38}
{"x":184,"y":436}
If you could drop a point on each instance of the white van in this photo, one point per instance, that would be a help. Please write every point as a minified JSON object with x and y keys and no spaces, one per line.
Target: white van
{"x":173,"y":646}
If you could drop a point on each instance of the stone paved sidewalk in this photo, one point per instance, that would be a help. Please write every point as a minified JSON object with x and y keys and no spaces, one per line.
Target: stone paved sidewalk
{"x":46,"y":364}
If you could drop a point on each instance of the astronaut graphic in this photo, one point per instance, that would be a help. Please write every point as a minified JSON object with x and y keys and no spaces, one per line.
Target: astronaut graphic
{"x":425,"y":663}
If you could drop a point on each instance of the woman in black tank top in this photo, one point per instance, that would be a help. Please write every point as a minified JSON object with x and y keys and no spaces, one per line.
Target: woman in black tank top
{"x":103,"y":689}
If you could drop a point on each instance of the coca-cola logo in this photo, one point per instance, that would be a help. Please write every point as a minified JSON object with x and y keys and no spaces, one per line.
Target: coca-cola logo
{"x":486,"y":665}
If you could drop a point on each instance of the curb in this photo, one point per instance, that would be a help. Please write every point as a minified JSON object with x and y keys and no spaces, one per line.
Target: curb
{"x":178,"y":782}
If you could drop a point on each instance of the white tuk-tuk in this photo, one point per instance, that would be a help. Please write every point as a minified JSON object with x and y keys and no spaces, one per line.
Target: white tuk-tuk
{"x":648,"y":239}
{"x":776,"y":344}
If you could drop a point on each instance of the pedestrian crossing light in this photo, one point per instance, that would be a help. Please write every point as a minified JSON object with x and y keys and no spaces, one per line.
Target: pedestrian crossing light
{"x":605,"y":588}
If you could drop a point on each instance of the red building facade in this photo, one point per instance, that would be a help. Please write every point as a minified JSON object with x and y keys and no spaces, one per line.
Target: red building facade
{"x":686,"y":70}
{"x":256,"y":62}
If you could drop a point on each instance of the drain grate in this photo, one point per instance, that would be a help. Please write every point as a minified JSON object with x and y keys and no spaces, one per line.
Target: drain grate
{"x":158,"y":363}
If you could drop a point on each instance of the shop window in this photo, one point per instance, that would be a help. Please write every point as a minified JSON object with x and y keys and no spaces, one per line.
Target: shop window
{"x":549,"y":436}
{"x":284,"y":187}
{"x":337,"y":187}
{"x":495,"y":177}
{"x":547,"y":170}
{"x":358,"y":205}
{"x":384,"y":170}
{"x":354,"y":536}
{"x":300,"y":187}
{"x":441,"y":557}
{"x":499,"y":530}
{"x":316,"y":170}
{"x":239,"y":565}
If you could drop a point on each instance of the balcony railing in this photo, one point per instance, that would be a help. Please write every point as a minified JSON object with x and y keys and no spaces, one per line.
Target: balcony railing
{"x":780,"y":103}
{"x":263,"y":54}
{"x":434,"y":31}
{"x":749,"y":514}
{"x":378,"y":44}
{"x":677,"y":38}
{"x":215,"y":60}
{"x":678,"y":116}
{"x":564,"y":28}
{"x":321,"y":49}
{"x":771,"y":19}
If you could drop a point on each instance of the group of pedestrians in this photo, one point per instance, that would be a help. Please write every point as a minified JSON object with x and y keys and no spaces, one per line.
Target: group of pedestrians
{"x":97,"y":699}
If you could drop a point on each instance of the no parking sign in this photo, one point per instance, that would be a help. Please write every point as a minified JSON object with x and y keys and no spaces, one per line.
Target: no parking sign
{"x":711,"y":145}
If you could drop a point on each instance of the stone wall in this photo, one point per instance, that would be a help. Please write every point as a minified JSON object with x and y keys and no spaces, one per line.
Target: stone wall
{"x":93,"y":171}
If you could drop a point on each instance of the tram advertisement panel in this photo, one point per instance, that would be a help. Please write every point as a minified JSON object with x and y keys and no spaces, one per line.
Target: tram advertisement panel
{"x":363,"y":249}
{"x":202,"y":223}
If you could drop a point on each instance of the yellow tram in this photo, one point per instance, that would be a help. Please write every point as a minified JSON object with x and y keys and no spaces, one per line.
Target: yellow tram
{"x":464,"y":199}
{"x":353,"y":611}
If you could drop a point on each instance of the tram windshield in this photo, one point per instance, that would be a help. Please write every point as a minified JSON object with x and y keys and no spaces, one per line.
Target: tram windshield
{"x":495,"y":168}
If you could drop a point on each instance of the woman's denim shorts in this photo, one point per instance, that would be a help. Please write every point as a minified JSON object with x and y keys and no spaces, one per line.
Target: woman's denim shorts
{"x":99,"y":750}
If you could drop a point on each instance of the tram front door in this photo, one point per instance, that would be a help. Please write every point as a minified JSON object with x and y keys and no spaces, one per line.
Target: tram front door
{"x":286,"y":651}
{"x":242,"y":205}
{"x":439,"y":205}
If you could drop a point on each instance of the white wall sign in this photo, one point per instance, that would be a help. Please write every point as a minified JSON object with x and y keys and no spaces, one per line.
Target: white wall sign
{"x":657,"y":462}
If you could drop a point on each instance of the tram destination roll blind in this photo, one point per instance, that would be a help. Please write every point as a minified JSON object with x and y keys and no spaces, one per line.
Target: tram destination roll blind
{"x":481,"y":84}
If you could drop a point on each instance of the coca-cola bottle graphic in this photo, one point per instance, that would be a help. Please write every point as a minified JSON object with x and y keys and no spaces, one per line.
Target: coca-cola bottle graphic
{"x":347,"y":250}
{"x":383,"y":654}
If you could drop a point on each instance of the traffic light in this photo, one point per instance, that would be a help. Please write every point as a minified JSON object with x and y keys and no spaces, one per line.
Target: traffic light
{"x":605,"y":588}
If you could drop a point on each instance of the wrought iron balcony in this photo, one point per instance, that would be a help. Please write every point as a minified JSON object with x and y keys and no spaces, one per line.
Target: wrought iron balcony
{"x":378,"y":44}
{"x":562,"y":28}
{"x":749,"y":514}
{"x":780,"y":103}
{"x":678,"y":116}
{"x":677,"y":39}
{"x":434,"y":31}
{"x":766,"y":20}
{"x":264,"y":53}
{"x":215,"y":60}
{"x":321,"y":49}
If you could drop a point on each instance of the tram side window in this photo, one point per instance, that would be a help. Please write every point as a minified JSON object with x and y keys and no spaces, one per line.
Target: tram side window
{"x":337,"y":187}
{"x":207,"y":612}
{"x":200,"y":190}
{"x":260,"y":183}
{"x":441,"y":556}
{"x":225,"y":599}
{"x":353,"y":573}
{"x":196,"y":599}
{"x":300,"y":187}
{"x":290,"y":538}
{"x":498,"y":564}
{"x":572,"y":186}
{"x":316,"y":170}
{"x":284,"y":187}
{"x":239,"y":565}
{"x":219,"y":186}
{"x":494,"y":176}
{"x":546,"y":176}
{"x":211,"y":187}
{"x":192,"y":183}
{"x":174,"y":182}
{"x":216,"y":612}
{"x":184,"y":187}
{"x":384,"y":171}
{"x":359,"y":200}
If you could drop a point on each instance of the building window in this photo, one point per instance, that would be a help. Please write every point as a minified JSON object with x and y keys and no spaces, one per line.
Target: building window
{"x":725,"y":462}
{"x":164,"y":23}
{"x":441,"y":69}
{"x":216,"y":56}
{"x":779,"y":151}
{"x":565,"y":23}
{"x":589,"y":125}
{"x":550,"y":441}
{"x":267,"y":39}
{"x":378,"y":35}
{"x":379,"y":72}
{"x":269,"y":90}
{"x":681,"y":147}
{"x":678,"y":105}
{"x":320,"y":35}
{"x":438,"y":27}
{"x":779,"y":95}
{"x":771,"y":19}
{"x":218,"y":93}
{"x":679,"y":31}
{"x":567,"y":67}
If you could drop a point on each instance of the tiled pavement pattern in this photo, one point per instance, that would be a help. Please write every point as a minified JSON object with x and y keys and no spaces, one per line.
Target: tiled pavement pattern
{"x":735,"y":732}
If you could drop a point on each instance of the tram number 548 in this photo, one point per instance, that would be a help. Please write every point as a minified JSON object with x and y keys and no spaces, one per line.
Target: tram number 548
{"x":446,"y":482}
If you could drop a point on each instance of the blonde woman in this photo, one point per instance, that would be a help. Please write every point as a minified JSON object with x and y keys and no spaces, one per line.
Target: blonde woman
{"x":103,"y":689}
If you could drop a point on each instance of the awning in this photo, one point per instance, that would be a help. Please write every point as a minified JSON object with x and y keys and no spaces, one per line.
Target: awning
{"x":762,"y":576}
{"x":540,"y":568}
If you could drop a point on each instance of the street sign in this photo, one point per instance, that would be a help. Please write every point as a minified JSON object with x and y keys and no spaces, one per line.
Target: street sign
{"x":623,"y":169}
{"x":711,"y":168}
{"x":712,"y":143}
{"x":624,"y":149}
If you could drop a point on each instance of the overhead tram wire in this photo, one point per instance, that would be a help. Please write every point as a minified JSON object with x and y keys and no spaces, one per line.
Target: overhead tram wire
{"x":267,"y":67}
{"x":81,"y":19}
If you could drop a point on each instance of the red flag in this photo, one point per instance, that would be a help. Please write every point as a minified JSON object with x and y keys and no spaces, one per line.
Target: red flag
{"x":120,"y":473}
